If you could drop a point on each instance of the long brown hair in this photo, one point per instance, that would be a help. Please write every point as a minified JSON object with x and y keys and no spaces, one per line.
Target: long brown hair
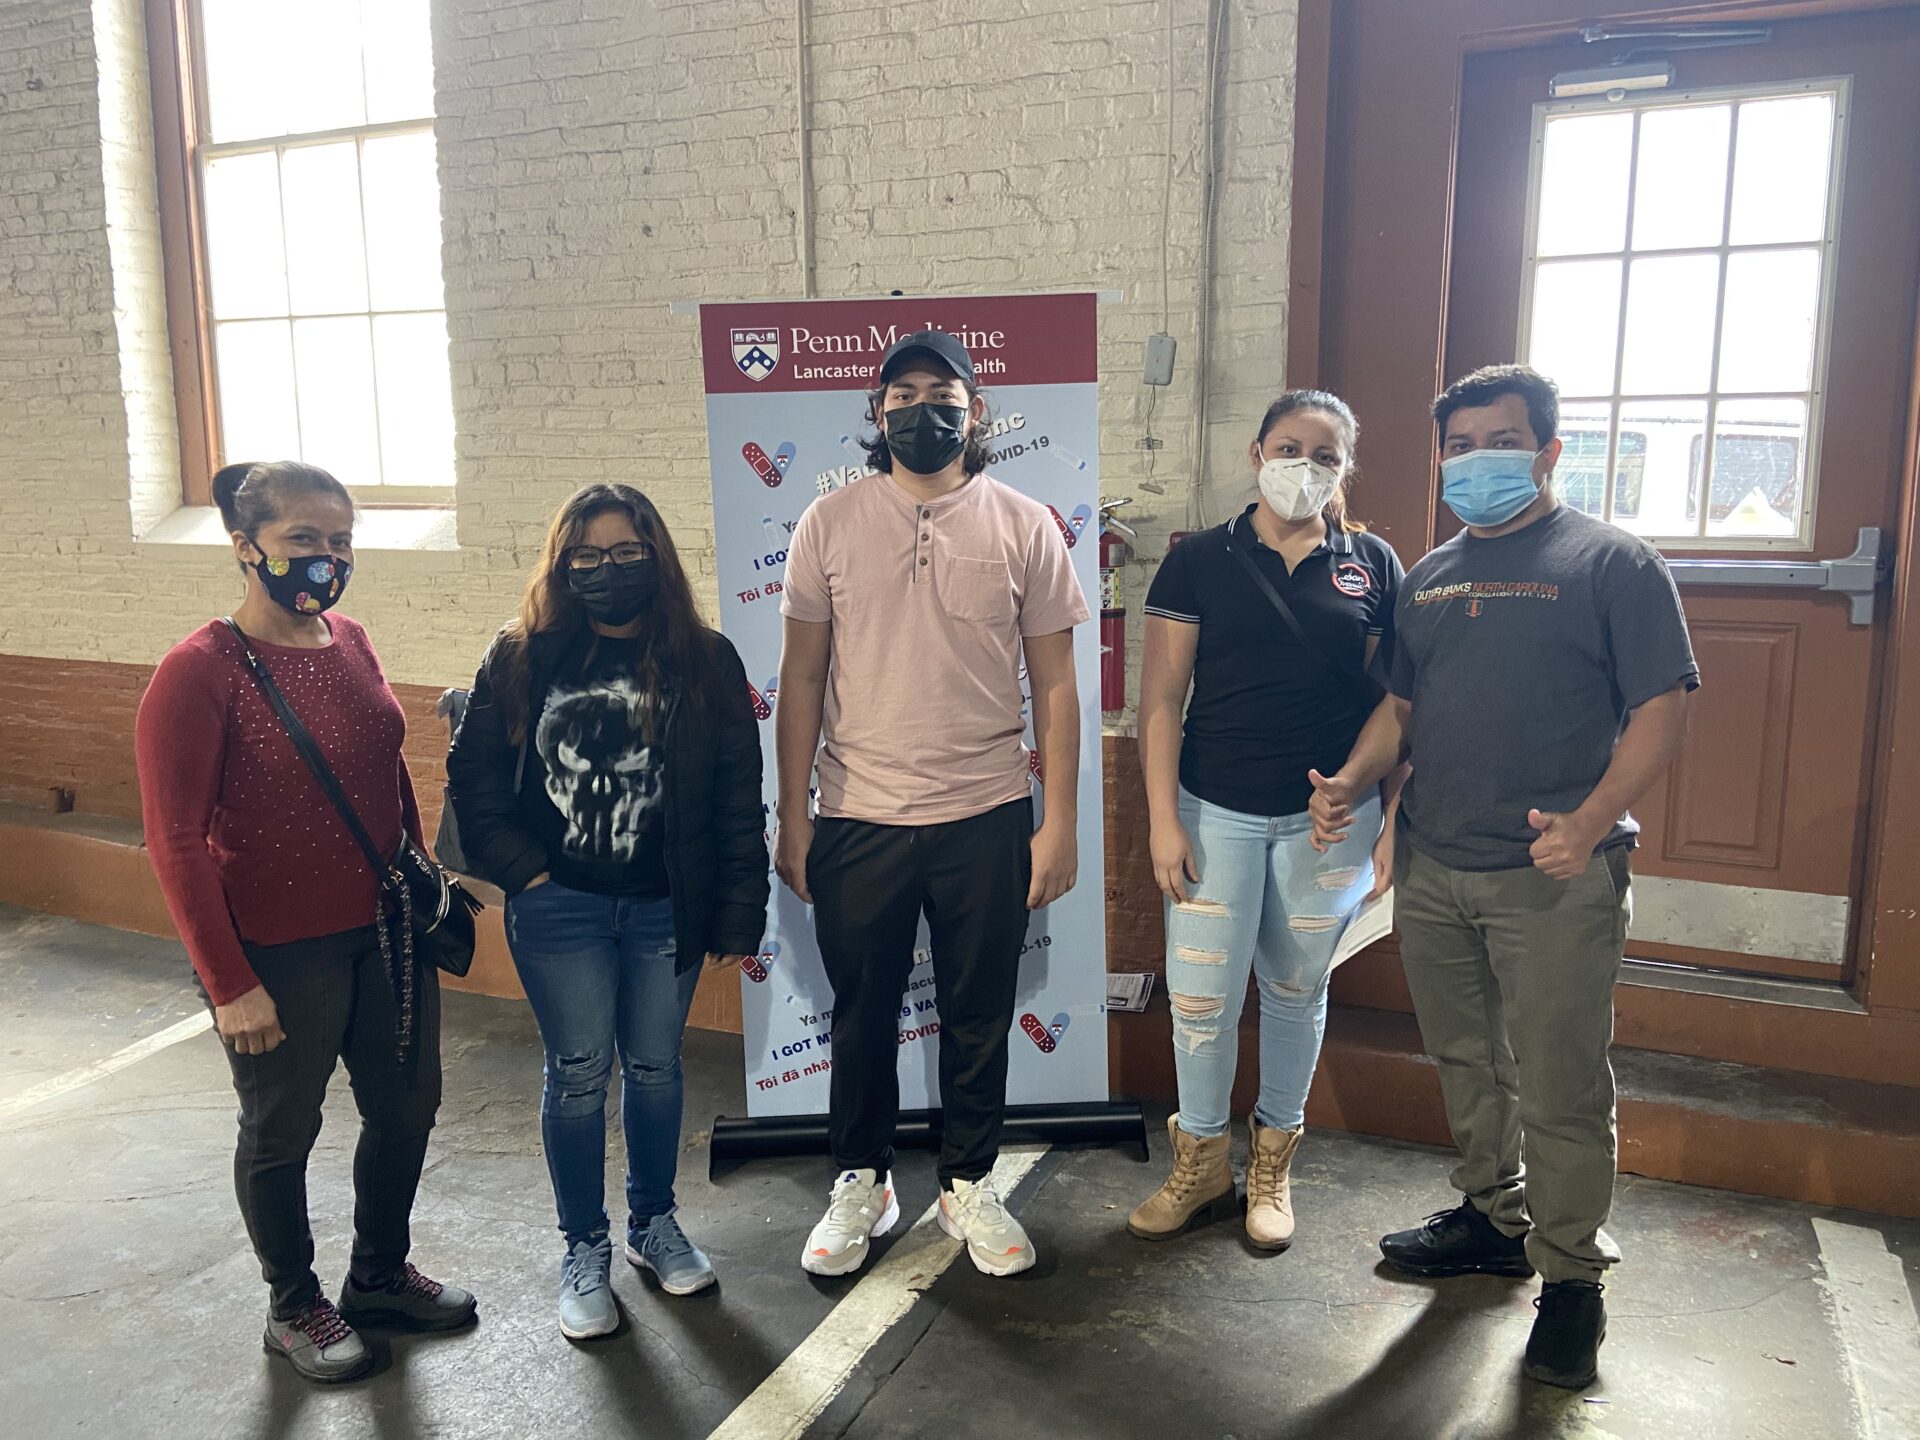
{"x":674,"y":638}
{"x":1334,"y":512}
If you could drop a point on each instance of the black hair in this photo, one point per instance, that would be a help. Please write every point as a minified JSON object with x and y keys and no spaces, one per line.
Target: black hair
{"x":1489,"y":383}
{"x":250,"y":494}
{"x":975,"y":457}
{"x":1334,"y":512}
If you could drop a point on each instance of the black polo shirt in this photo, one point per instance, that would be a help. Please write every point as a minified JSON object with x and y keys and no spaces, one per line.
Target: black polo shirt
{"x":1264,"y":711}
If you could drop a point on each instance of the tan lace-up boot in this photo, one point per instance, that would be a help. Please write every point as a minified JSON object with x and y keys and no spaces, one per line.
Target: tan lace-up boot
{"x":1269,"y":1193}
{"x":1198,"y":1192}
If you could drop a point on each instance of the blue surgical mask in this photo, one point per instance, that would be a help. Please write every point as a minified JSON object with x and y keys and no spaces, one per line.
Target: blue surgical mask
{"x":1488,"y":487}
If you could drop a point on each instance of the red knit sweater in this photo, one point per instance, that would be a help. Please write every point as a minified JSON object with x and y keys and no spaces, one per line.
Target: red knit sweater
{"x":240,"y":834}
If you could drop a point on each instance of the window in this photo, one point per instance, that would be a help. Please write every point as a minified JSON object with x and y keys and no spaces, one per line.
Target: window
{"x":1679,"y":256}
{"x":312,"y":198}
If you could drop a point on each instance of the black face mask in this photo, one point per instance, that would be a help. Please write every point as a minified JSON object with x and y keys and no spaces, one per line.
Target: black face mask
{"x":926,"y":438}
{"x":304,"y":584}
{"x":613,"y":593}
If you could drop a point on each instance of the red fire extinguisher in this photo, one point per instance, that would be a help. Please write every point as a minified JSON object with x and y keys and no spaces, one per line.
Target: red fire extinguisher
{"x":1114,"y":552}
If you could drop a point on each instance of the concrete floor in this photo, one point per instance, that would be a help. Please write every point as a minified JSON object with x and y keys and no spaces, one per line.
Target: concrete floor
{"x":130,"y":1304}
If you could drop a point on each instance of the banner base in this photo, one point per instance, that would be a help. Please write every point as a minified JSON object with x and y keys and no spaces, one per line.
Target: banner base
{"x":1091,"y":1122}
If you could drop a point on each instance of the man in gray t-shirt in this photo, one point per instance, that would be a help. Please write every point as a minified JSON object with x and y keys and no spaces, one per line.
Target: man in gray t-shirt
{"x":1539,"y":686}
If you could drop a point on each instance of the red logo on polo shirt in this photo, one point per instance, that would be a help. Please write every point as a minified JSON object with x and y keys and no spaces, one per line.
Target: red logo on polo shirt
{"x":1352,"y":579}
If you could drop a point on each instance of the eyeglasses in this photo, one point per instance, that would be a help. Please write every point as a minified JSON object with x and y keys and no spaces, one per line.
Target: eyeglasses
{"x":592,"y":557}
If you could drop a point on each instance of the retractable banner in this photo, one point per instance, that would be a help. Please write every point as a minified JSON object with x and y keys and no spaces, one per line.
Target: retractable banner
{"x":786,"y":385}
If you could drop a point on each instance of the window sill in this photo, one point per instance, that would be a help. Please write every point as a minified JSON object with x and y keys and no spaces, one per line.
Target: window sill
{"x":412,"y":529}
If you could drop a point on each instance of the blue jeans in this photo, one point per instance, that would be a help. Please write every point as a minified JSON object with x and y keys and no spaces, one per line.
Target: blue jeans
{"x":1266,"y":903}
{"x":599,"y":972}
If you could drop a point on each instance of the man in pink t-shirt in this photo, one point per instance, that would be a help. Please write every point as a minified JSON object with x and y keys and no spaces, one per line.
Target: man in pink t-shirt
{"x":911,"y":597}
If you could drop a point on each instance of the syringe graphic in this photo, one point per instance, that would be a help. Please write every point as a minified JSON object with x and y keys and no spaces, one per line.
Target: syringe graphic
{"x":1067,"y":458}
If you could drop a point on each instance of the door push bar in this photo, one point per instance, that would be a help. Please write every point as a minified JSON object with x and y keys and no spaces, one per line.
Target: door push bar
{"x":1857,"y":577}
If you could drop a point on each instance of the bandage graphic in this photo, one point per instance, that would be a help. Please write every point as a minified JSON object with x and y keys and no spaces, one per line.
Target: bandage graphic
{"x":1078,"y":520}
{"x":1047,"y":1037}
{"x":1033,"y":764}
{"x":783,"y":457}
{"x":1067,"y":532}
{"x":761,"y":709}
{"x":755,"y":967}
{"x":772,"y":690}
{"x":769,"y":473}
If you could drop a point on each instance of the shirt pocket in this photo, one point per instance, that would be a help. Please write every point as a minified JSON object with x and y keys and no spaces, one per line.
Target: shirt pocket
{"x":980,"y":591}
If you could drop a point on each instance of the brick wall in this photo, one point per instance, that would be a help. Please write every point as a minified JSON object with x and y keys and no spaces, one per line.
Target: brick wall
{"x":600,"y":159}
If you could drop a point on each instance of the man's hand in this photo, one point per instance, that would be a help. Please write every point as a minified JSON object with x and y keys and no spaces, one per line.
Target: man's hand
{"x":1566,"y":843}
{"x":1056,"y":863}
{"x":1173,"y":866}
{"x":791,"y":842}
{"x":1382,"y":864}
{"x":717,"y":961}
{"x":250,"y":1024}
{"x":1331,"y":808}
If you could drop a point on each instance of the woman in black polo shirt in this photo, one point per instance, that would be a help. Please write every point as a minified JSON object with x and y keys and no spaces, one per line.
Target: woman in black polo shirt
{"x":1272,"y":698}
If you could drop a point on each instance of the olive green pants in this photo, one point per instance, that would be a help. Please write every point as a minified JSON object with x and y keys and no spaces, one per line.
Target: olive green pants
{"x":1512,"y":976}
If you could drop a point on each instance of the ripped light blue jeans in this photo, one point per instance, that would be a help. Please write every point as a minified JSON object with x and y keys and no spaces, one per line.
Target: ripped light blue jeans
{"x":1267,"y":904}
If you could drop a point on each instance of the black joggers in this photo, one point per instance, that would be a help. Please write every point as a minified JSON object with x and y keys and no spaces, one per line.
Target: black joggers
{"x":335,"y":1003}
{"x":870,"y":885}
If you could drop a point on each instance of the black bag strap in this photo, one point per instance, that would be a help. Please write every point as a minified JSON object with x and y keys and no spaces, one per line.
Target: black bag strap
{"x":309,"y":749}
{"x":1293,"y":623}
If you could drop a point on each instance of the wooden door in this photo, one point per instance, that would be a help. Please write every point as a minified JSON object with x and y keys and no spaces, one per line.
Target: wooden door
{"x":1722,"y":277}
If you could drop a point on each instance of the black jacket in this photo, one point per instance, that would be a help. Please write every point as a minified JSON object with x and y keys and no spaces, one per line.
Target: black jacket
{"x":716,"y":848}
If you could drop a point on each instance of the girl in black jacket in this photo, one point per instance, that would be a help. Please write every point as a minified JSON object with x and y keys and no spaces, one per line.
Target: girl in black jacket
{"x":607,"y":778}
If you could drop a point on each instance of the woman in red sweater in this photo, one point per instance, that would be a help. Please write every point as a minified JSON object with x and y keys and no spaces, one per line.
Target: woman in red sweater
{"x":277,"y":908}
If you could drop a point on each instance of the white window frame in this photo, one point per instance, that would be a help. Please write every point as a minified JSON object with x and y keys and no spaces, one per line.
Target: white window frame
{"x":1840,"y":87}
{"x":206,"y":150}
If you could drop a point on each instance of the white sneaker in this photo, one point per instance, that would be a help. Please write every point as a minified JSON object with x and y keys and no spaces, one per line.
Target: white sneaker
{"x":996,"y":1243}
{"x":863,"y":1207}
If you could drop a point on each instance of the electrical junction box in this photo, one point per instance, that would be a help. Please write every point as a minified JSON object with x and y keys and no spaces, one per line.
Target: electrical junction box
{"x":1159,"y":367}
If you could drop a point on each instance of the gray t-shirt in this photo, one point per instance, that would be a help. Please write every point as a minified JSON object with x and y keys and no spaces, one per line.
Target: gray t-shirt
{"x":1521,"y":656}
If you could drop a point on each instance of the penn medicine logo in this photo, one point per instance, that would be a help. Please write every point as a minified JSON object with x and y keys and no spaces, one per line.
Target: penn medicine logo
{"x":756,"y":352}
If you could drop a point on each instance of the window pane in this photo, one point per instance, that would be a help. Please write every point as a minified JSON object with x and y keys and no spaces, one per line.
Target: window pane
{"x":1773,"y":304}
{"x":257,"y":418}
{"x":399,"y":61}
{"x":326,"y":250}
{"x":416,"y":399}
{"x":247,"y":265}
{"x":1670,"y":325}
{"x":1759,"y":467}
{"x":1576,"y":319}
{"x":1580,"y":479}
{"x":333,"y":363}
{"x":1658,"y":436}
{"x":402,"y":189}
{"x":317,"y":63}
{"x":1680,"y":188}
{"x":244,"y":55}
{"x":1583,"y":184}
{"x":1780,"y":170}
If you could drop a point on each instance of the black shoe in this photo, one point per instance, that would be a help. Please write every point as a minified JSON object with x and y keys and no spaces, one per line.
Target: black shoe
{"x":1460,"y":1241}
{"x":1564,"y":1348}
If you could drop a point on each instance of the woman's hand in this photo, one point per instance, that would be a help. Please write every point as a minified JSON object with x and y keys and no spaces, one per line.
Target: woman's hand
{"x":1382,"y":864}
{"x":717,"y":961}
{"x":251,"y":1024}
{"x":1173,"y":864}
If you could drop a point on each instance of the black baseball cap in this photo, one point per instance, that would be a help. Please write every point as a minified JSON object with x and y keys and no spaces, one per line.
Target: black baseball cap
{"x":936,"y":343}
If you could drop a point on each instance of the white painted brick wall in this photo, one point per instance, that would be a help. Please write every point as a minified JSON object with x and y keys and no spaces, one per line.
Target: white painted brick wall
{"x":600,"y":159}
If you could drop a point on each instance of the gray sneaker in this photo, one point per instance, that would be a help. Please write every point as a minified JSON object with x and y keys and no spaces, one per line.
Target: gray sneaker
{"x":409,"y":1301}
{"x":321,"y":1346}
{"x":677,"y":1263}
{"x":587,"y":1310}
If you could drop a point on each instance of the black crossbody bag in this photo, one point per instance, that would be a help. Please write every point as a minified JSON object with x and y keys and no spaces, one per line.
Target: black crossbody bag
{"x":1363,"y":687}
{"x":423,"y":908}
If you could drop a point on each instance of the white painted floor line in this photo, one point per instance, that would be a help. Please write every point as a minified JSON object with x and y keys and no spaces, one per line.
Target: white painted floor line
{"x":1866,"y":1287}
{"x":99,"y":1069}
{"x":792,"y":1397}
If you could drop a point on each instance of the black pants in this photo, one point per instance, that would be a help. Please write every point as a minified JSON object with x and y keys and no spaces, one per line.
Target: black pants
{"x":335,"y":1003}
{"x":870,"y":885}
